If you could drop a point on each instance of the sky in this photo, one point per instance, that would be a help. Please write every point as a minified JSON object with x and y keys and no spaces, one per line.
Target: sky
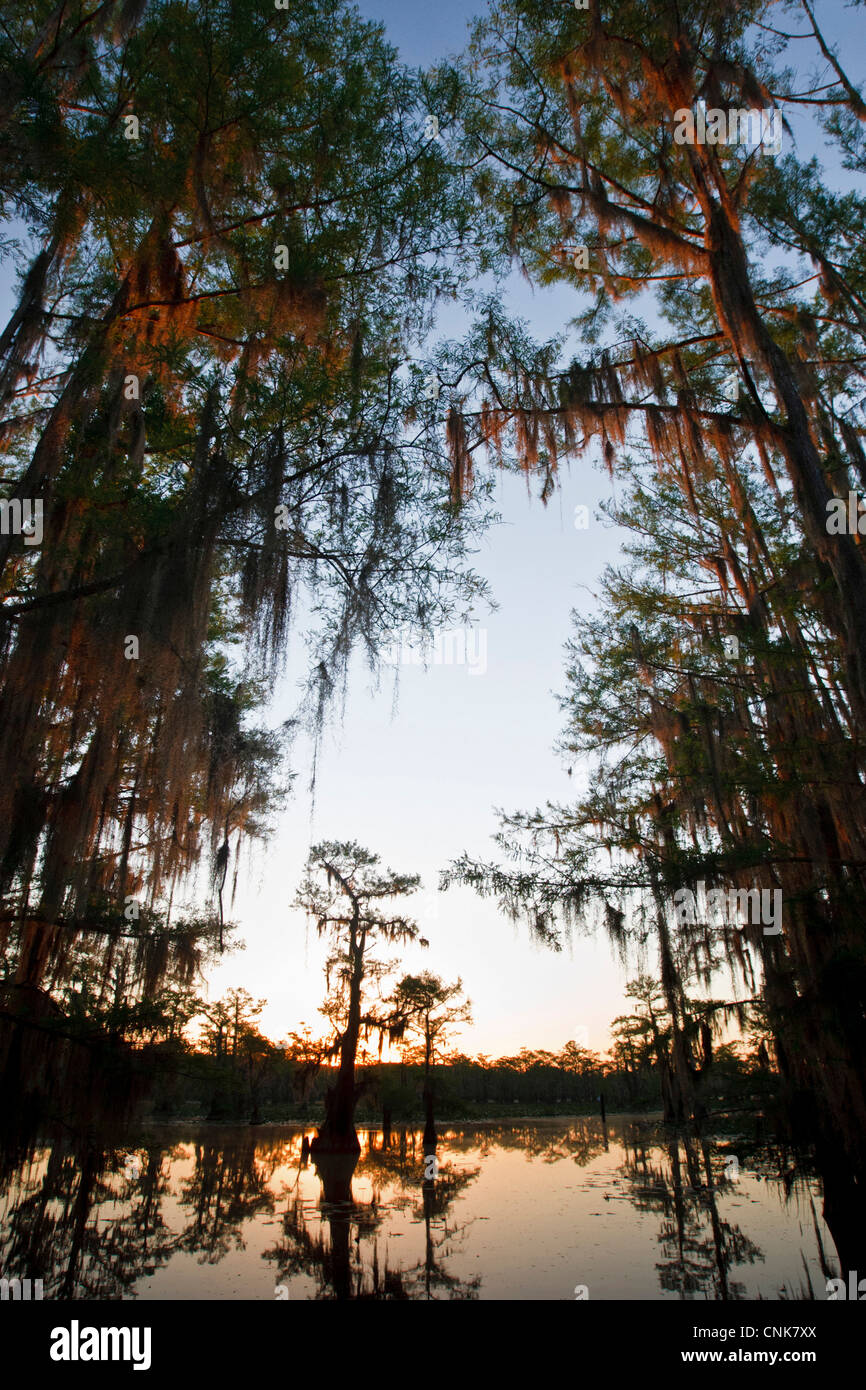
{"x":418,"y":784}
{"x":418,"y":778}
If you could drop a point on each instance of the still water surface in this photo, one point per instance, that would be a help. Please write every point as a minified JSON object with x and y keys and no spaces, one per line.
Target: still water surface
{"x":532,"y":1210}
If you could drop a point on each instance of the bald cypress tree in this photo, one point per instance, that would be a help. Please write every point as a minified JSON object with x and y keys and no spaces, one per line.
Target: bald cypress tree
{"x":721,"y":826}
{"x":594,"y":140}
{"x":587,"y":131}
{"x":351,"y":900}
{"x":207,"y":396}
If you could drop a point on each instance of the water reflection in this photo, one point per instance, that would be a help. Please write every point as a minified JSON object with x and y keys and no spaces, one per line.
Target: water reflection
{"x":629,"y":1209}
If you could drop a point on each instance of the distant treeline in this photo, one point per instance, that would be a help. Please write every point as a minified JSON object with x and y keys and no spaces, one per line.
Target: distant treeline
{"x":278,"y":1085}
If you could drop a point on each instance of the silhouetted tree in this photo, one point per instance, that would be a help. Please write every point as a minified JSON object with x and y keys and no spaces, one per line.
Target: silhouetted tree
{"x":346,"y":893}
{"x":425,"y":1013}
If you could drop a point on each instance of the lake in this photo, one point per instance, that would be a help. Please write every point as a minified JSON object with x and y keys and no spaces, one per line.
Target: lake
{"x":535,"y":1209}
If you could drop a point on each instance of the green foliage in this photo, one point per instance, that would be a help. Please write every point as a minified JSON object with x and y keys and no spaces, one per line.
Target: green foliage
{"x":224,"y":433}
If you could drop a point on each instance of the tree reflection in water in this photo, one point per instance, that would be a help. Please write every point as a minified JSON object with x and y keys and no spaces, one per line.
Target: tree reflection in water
{"x":346,"y":1251}
{"x":94,"y":1222}
{"x":681,"y":1188}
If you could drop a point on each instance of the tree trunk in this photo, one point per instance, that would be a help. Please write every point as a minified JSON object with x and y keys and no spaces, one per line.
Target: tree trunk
{"x":740,"y":318}
{"x":337,"y":1134}
{"x":429,"y":1122}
